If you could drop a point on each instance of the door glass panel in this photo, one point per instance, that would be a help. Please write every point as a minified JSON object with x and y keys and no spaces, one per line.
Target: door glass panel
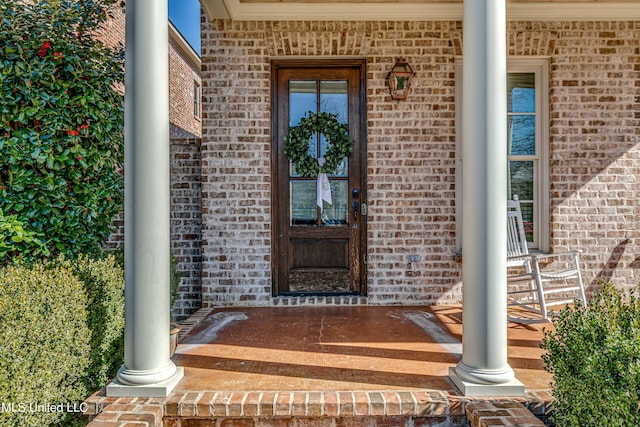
{"x":334,"y":100}
{"x":522,"y":135}
{"x":303,"y":202}
{"x":328,"y":96}
{"x":337,"y":212}
{"x":303,"y":97}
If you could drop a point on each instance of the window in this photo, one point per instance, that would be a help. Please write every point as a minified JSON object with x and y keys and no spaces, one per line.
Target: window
{"x":528,"y":142}
{"x":196,"y":99}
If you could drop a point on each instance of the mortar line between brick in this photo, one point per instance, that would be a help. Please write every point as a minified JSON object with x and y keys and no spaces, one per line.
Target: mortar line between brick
{"x":242,"y":404}
{"x":415,"y":403}
{"x":306,"y":404}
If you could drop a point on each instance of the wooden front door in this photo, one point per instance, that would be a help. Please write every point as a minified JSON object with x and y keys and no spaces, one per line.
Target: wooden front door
{"x":319,"y":247}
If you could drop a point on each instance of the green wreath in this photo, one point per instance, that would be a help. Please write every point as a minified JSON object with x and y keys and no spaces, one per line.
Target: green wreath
{"x":297,"y":143}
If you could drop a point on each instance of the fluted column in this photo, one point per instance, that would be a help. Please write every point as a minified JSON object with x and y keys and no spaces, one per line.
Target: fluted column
{"x":148,"y":370}
{"x":484,"y":370}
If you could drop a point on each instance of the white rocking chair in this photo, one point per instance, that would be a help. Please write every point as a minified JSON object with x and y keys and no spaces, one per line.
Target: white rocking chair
{"x":532,"y":292}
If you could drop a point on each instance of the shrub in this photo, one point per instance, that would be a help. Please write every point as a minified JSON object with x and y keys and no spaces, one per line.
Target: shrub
{"x":594,"y":356}
{"x":61,"y":122}
{"x":103,"y":280}
{"x":62,"y":336}
{"x":17,"y":242}
{"x":44,"y":342}
{"x":174,"y":283}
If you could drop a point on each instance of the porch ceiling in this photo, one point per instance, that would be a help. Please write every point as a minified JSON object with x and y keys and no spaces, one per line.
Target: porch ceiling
{"x":390,"y":10}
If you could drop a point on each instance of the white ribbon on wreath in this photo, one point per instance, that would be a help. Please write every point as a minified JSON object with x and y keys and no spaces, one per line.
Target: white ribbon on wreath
{"x":323,"y":189}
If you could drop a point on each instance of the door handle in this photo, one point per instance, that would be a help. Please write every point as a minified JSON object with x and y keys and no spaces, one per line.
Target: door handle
{"x":355,"y":207}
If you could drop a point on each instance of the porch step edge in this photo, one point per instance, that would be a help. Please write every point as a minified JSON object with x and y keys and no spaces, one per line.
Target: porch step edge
{"x":427,"y":403}
{"x":400,"y":405}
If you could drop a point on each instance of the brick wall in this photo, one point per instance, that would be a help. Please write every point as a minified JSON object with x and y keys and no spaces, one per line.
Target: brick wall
{"x":182,"y":77}
{"x":594,"y":138}
{"x":186,"y":223}
{"x":186,"y":167}
{"x":112,"y":32}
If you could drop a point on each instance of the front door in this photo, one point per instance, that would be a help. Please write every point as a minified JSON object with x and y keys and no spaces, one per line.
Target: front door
{"x":319,"y":239}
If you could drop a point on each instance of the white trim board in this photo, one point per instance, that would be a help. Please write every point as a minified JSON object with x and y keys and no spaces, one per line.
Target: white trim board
{"x":571,"y":11}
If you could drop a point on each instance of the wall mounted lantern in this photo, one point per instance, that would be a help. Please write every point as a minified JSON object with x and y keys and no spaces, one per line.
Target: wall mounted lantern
{"x":399,"y":79}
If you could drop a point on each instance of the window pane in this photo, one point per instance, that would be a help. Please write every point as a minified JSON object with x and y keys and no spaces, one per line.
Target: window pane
{"x":336,"y":213}
{"x":334,"y":100}
{"x":521,"y":135}
{"x":303,"y":203}
{"x":303,"y":97}
{"x":342,"y":170}
{"x":521,"y":93}
{"x":527,"y":219}
{"x":521,"y":184}
{"x":196,"y":99}
{"x":521,"y":180}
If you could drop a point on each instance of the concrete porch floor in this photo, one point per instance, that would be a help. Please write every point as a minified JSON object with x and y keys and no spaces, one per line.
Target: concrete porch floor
{"x":334,"y":362}
{"x":339,"y":348}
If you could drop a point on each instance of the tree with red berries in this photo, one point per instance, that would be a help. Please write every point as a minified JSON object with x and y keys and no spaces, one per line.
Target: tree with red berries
{"x":61,"y":126}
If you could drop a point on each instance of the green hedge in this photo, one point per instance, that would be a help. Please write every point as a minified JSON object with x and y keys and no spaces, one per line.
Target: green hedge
{"x":61,"y":337}
{"x":594,"y":356}
{"x":44,"y":342}
{"x":104,"y":283}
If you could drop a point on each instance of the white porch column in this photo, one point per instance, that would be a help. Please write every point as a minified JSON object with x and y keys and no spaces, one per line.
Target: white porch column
{"x":147,"y":371}
{"x":483,"y":370}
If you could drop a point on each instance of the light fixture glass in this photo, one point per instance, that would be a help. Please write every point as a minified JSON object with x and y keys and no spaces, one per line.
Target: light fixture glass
{"x":399,"y":79}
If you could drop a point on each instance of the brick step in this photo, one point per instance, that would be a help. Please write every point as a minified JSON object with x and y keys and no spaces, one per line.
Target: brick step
{"x":485,"y":414}
{"x":382,"y":421}
{"x":322,"y":409}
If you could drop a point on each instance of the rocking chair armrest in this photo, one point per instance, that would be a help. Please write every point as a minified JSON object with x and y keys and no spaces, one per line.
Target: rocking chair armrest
{"x":556,"y":254}
{"x":538,"y":256}
{"x":521,"y":257}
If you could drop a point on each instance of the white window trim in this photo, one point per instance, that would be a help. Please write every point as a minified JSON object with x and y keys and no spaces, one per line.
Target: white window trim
{"x":539,"y":66}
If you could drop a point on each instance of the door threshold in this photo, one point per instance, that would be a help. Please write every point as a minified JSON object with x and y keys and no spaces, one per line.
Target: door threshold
{"x":297,"y":299}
